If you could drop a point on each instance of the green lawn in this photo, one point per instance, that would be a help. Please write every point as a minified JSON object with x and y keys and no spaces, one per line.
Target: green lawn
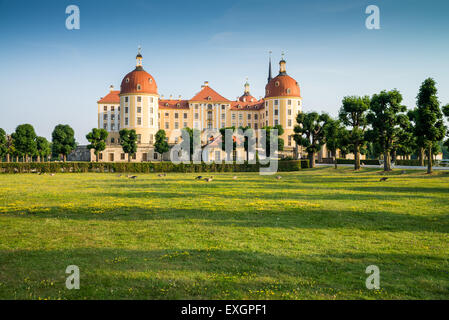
{"x":310,"y":235}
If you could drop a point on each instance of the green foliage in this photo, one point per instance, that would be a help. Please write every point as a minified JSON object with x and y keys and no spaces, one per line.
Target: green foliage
{"x":128,"y":141}
{"x":446,"y":143}
{"x":161,"y":144}
{"x":353,"y":114}
{"x":25,"y":140}
{"x":3,"y":144}
{"x":63,"y":140}
{"x":429,"y":127}
{"x":386,"y":114}
{"x":143,"y":167}
{"x":97,"y":139}
{"x":43,"y":147}
{"x":374,"y":162}
{"x":266,"y":139}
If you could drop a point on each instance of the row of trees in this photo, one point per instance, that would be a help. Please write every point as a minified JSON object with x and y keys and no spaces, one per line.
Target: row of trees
{"x":380,"y":125}
{"x":24,"y":143}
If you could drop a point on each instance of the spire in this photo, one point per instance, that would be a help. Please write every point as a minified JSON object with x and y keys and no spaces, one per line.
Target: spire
{"x":269,"y":68}
{"x":282,"y":68}
{"x":139,"y":58}
{"x":246,"y":87}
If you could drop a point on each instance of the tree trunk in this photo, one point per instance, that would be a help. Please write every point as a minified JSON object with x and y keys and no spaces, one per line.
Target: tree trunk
{"x":129,"y":157}
{"x":429,"y":161}
{"x":38,"y":158}
{"x":356,"y":157}
{"x":96,"y":157}
{"x":387,"y":161}
{"x":65,"y":158}
{"x":394,"y":156}
{"x":7,"y":157}
{"x":312,"y":159}
{"x":334,"y":158}
{"x":421,"y":157}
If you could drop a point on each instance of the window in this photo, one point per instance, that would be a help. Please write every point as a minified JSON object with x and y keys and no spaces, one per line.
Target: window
{"x":288,"y":91}
{"x":240,"y":116}
{"x":111,"y":157}
{"x":105,"y":117}
{"x":276,"y":112}
{"x":276,"y":122}
{"x":299,"y":102}
{"x":233,"y":116}
{"x":289,"y":112}
{"x":155,"y":156}
{"x":151,"y":109}
{"x":138,"y":88}
{"x":100,"y":156}
{"x":196,"y":107}
{"x":126,"y":109}
{"x":276,"y":102}
{"x":249,"y":116}
{"x":276,"y":83}
{"x":151,"y":121}
{"x":166,"y":125}
{"x":122,"y":156}
{"x":266,"y":112}
{"x":223,"y":107}
{"x":112,"y":117}
{"x":289,"y":141}
{"x":289,"y":122}
{"x":209,"y":107}
{"x":166,"y":114}
{"x":255,"y":116}
{"x":127,"y":80}
{"x":105,"y":126}
{"x":151,"y":138}
{"x":185,"y":115}
{"x":126,"y":99}
{"x":176,"y":115}
{"x":150,"y":80}
{"x":289,"y":102}
{"x":176,"y":125}
{"x":144,"y":157}
{"x":134,"y":156}
{"x":223,"y":116}
{"x":126,"y":121}
{"x":266,"y":103}
{"x":196,"y":116}
{"x":151,"y":98}
{"x":139,"y":138}
{"x":105,"y":108}
{"x":112,"y":128}
{"x":139,"y":121}
{"x":139,"y":109}
{"x":255,"y":126}
{"x":139,"y":99}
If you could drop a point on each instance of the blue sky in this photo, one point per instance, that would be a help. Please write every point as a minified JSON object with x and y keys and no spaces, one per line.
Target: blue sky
{"x":50,"y":75}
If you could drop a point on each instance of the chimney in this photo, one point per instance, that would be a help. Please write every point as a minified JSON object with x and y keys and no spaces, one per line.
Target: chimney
{"x":111,"y":88}
{"x":206,"y":83}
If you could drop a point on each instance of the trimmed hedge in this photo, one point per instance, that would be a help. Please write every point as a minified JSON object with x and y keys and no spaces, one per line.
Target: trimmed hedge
{"x":365,"y":161}
{"x":141,"y":167}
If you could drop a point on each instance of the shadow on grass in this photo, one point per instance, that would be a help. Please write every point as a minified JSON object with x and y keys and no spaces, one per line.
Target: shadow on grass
{"x":185,"y":272}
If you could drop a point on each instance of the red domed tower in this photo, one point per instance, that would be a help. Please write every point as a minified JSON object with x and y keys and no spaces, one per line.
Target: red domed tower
{"x":282,"y":102}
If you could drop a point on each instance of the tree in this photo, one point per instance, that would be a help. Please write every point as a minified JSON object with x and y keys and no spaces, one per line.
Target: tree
{"x":266,"y":139}
{"x":385,"y":117}
{"x":63,"y":140}
{"x":335,"y":136}
{"x":418,"y":141}
{"x":161,"y":144}
{"x":249,"y":139}
{"x":25,"y":140}
{"x":310,"y":132}
{"x":223,"y":141}
{"x":405,"y":144}
{"x":97,"y":139}
{"x":128,"y":141}
{"x":3,"y":147}
{"x":43,"y":148}
{"x":446,"y":113}
{"x":353,"y":114}
{"x":429,"y":121}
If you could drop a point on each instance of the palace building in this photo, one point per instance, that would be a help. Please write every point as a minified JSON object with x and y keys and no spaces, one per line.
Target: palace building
{"x":138,"y":105}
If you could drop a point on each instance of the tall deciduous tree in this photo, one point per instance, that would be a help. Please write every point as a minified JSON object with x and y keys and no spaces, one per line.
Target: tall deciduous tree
{"x":43,"y":148}
{"x":310,"y":133}
{"x":385,"y":116}
{"x":97,"y":139}
{"x":223,"y":142}
{"x":429,"y":121}
{"x":63,"y":140}
{"x":353,"y":114}
{"x":336,"y":137}
{"x":161,"y":144}
{"x":128,"y":141}
{"x":446,"y":113}
{"x":3,"y":147}
{"x":25,"y":140}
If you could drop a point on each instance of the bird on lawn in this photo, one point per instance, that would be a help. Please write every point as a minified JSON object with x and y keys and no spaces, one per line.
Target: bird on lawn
{"x":209,"y":179}
{"x":161,"y":175}
{"x":234,"y":177}
{"x":278,"y":177}
{"x":383,"y":179}
{"x":199,"y":178}
{"x":52,"y":174}
{"x":133,"y":177}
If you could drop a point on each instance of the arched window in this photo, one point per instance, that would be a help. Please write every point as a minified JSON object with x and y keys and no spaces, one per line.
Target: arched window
{"x":138,"y":87}
{"x":150,"y":80}
{"x":276,"y":83}
{"x":288,"y":91}
{"x":127,"y":80}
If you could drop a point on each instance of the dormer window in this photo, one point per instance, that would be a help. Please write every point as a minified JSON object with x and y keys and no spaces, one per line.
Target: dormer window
{"x":166,"y":104}
{"x":178,"y":105}
{"x":138,"y":87}
{"x":150,"y":80}
{"x":209,"y":98}
{"x":127,"y":80}
{"x":288,"y":91}
{"x":276,"y":83}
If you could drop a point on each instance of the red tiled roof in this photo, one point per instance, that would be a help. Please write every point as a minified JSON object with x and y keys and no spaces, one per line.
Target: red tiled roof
{"x":246,"y":97}
{"x":282,"y":85}
{"x":208,"y":94}
{"x":247,"y":106}
{"x":138,"y":77}
{"x":173,"y":104}
{"x":111,"y":97}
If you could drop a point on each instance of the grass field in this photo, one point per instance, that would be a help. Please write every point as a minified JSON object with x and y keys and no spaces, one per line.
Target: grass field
{"x":310,"y":235}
